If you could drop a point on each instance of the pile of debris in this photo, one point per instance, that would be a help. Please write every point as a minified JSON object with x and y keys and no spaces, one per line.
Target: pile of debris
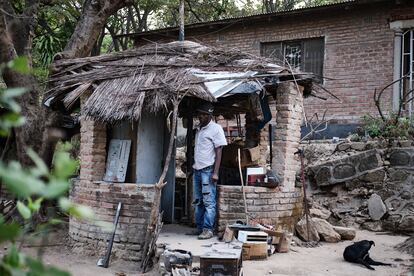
{"x":363,"y":184}
{"x":240,"y":242}
{"x":320,"y":229}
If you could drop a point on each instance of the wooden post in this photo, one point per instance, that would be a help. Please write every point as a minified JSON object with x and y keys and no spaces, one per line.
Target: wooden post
{"x":189,"y":157}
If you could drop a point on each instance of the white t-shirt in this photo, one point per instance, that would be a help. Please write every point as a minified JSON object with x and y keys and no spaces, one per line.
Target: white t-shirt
{"x":207,"y":139}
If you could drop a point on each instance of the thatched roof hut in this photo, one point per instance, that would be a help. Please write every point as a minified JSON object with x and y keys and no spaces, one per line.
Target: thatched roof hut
{"x":149,"y":78}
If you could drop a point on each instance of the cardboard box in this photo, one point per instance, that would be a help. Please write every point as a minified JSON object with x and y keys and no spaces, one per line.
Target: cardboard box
{"x":249,"y":157}
{"x":254,"y":251}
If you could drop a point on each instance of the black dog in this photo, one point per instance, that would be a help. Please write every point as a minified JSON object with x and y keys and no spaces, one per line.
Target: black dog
{"x":358,"y":253}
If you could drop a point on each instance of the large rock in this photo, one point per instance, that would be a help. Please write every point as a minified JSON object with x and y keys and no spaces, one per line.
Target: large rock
{"x":360,"y":146}
{"x":302,"y":232}
{"x":325,"y":230}
{"x":345,"y":232}
{"x":343,"y":146}
{"x":319,"y":213}
{"x":377,"y":175}
{"x":376,"y":207}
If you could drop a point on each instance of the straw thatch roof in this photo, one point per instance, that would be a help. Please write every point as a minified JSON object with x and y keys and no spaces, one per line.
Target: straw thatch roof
{"x":123,"y":84}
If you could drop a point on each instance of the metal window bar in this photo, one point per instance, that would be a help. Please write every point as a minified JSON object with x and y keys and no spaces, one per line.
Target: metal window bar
{"x":407,"y":35}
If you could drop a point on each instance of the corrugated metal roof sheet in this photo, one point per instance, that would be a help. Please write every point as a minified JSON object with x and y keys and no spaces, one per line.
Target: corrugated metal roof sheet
{"x":260,"y":14}
{"x":335,"y":2}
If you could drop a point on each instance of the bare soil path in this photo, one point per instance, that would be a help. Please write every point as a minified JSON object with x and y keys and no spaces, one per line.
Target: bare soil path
{"x":319,"y":261}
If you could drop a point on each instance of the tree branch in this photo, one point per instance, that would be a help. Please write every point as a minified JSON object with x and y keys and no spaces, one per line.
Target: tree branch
{"x":158,"y":189}
{"x":192,"y":11}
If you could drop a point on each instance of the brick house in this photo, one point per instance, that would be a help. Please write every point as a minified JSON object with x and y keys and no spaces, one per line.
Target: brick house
{"x":125,"y":99}
{"x":354,"y":47}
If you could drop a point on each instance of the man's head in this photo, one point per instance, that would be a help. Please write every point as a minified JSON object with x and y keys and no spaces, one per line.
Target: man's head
{"x":205,"y":112}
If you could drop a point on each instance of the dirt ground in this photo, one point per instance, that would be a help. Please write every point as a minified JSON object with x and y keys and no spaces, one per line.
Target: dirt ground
{"x":323,"y":260}
{"x":327,"y":259}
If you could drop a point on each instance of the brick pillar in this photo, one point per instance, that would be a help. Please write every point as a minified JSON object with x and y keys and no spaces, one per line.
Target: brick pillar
{"x":92,"y":150}
{"x":289,"y":107}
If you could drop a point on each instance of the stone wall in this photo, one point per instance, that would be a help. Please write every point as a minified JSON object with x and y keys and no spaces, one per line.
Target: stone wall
{"x":270,"y":206}
{"x":103,"y":198}
{"x":369,"y":188}
{"x":346,"y":168}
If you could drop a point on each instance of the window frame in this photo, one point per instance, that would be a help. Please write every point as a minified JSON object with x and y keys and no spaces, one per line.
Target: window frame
{"x":304,"y":44}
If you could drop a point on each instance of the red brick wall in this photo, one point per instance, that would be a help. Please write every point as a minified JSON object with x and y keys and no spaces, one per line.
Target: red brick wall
{"x":92,"y":150}
{"x":270,"y":206}
{"x":358,"y":51}
{"x":103,"y":198}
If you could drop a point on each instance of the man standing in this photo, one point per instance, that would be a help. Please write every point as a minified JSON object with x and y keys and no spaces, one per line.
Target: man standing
{"x":209,"y":141}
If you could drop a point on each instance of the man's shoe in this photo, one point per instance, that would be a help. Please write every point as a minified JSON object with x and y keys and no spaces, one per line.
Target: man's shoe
{"x":194,"y":232}
{"x":207,"y":234}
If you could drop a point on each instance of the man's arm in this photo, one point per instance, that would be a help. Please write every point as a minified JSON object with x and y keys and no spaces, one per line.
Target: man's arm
{"x":217,"y":162}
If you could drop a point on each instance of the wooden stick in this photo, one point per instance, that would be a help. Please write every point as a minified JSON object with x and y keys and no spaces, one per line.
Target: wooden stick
{"x":155,"y":209}
{"x":242,"y":182}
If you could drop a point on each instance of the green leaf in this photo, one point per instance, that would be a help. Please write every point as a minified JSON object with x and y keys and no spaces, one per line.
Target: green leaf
{"x":105,"y":226}
{"x":20,"y":65}
{"x":12,"y":257}
{"x":9,"y":232}
{"x":65,"y":204}
{"x":55,"y":221}
{"x":11,"y":105}
{"x":78,"y":211}
{"x":12,"y":119}
{"x":41,"y":167}
{"x":23,"y":210}
{"x":55,"y":189}
{"x":13,"y":92}
{"x":34,"y":206}
{"x":19,"y":182}
{"x":64,"y":166}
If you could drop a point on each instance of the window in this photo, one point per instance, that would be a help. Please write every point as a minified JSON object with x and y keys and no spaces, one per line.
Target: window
{"x":306,"y":55}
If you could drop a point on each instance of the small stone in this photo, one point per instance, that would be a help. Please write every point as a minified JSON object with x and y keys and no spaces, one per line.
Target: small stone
{"x":345,"y":232}
{"x":405,"y":143}
{"x":376,"y":207}
{"x":407,"y":224}
{"x":325,"y":230}
{"x":301,"y":230}
{"x":374,"y":226}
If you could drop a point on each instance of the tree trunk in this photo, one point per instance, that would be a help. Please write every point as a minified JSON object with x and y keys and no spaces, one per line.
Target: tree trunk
{"x":16,"y":37}
{"x":93,"y":20}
